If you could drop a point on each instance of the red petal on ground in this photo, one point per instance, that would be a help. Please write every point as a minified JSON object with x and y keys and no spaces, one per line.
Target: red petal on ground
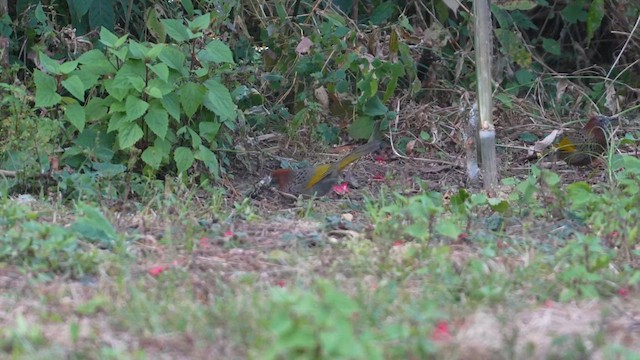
{"x":157,"y":270}
{"x":441,"y":332}
{"x":341,"y":189}
{"x":623,"y":291}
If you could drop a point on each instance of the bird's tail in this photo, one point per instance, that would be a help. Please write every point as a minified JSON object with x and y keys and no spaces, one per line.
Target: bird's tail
{"x":326,"y":170}
{"x":359,"y":152}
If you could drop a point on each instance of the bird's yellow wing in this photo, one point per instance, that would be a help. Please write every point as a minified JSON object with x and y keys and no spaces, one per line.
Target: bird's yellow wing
{"x":322,"y":171}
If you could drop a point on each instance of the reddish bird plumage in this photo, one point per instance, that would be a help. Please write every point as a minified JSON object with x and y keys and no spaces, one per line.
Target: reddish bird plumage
{"x":318,"y":179}
{"x":581,"y":147}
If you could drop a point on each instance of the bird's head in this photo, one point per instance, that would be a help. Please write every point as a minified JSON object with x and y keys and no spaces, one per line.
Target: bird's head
{"x":599,"y":126}
{"x":281,"y":177}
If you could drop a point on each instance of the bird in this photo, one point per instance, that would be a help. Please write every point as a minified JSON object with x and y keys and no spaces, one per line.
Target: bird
{"x":581,"y":147}
{"x":318,"y":180}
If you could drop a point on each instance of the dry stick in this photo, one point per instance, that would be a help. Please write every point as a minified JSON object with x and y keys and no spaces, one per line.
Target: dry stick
{"x":8,"y":173}
{"x":623,"y":49}
{"x":395,"y":152}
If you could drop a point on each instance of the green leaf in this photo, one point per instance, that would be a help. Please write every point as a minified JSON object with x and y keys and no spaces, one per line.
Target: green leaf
{"x":102,"y":13}
{"x":135,"y":108}
{"x":375,"y":107}
{"x":78,"y":8}
{"x":137,"y":50}
{"x":594,"y":18}
{"x":425,"y":135}
{"x":117,"y":122}
{"x":93,"y":225}
{"x":87,"y":78}
{"x":183,"y":158}
{"x":200,"y":23}
{"x":164,"y":146}
{"x":129,"y":134}
{"x":218,"y":100}
{"x":334,"y":18}
{"x":153,"y":91}
{"x":525,"y":76}
{"x":46,"y":94}
{"x":157,"y":120}
{"x":107,"y":169}
{"x":574,"y":12}
{"x":514,"y":47}
{"x":154,"y":25}
{"x":173,"y":58}
{"x":551,"y":46}
{"x":196,"y":141}
{"x":448,"y":228}
{"x":115,"y":90}
{"x":209,"y":159}
{"x":95,"y":62}
{"x":383,"y":12}
{"x":188,"y":7}
{"x":177,"y":30}
{"x":209,"y":130}
{"x":217,"y":52}
{"x":191,"y":97}
{"x":108,"y":38}
{"x":48,"y":64}
{"x":155,"y":51}
{"x":498,"y":205}
{"x":580,"y":194}
{"x":152,"y":156}
{"x":76,"y":115}
{"x":361,"y":128}
{"x":96,"y":108}
{"x":120,"y":53}
{"x":550,"y":178}
{"x":161,"y":70}
{"x":171,"y":103}
{"x":75,"y":86}
{"x":162,"y":86}
{"x":505,"y":99}
{"x":68,"y":67}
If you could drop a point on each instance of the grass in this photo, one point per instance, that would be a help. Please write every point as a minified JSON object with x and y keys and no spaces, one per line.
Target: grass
{"x":545,"y":270}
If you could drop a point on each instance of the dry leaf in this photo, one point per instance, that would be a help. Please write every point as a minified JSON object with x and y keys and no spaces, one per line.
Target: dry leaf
{"x":610,"y":97}
{"x":322,"y":96}
{"x":543,"y":144}
{"x":453,"y":5}
{"x":410,"y":146}
{"x":304,"y":46}
{"x":561,"y":87}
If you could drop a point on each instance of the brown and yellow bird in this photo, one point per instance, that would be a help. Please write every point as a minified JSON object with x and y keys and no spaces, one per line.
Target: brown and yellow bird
{"x":319,"y":179}
{"x":581,"y":147}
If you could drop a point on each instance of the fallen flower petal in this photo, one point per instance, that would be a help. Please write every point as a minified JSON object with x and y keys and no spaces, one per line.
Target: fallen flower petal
{"x":398,"y":243}
{"x":441,"y":332}
{"x":623,"y":291}
{"x":157,"y":270}
{"x":341,"y":189}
